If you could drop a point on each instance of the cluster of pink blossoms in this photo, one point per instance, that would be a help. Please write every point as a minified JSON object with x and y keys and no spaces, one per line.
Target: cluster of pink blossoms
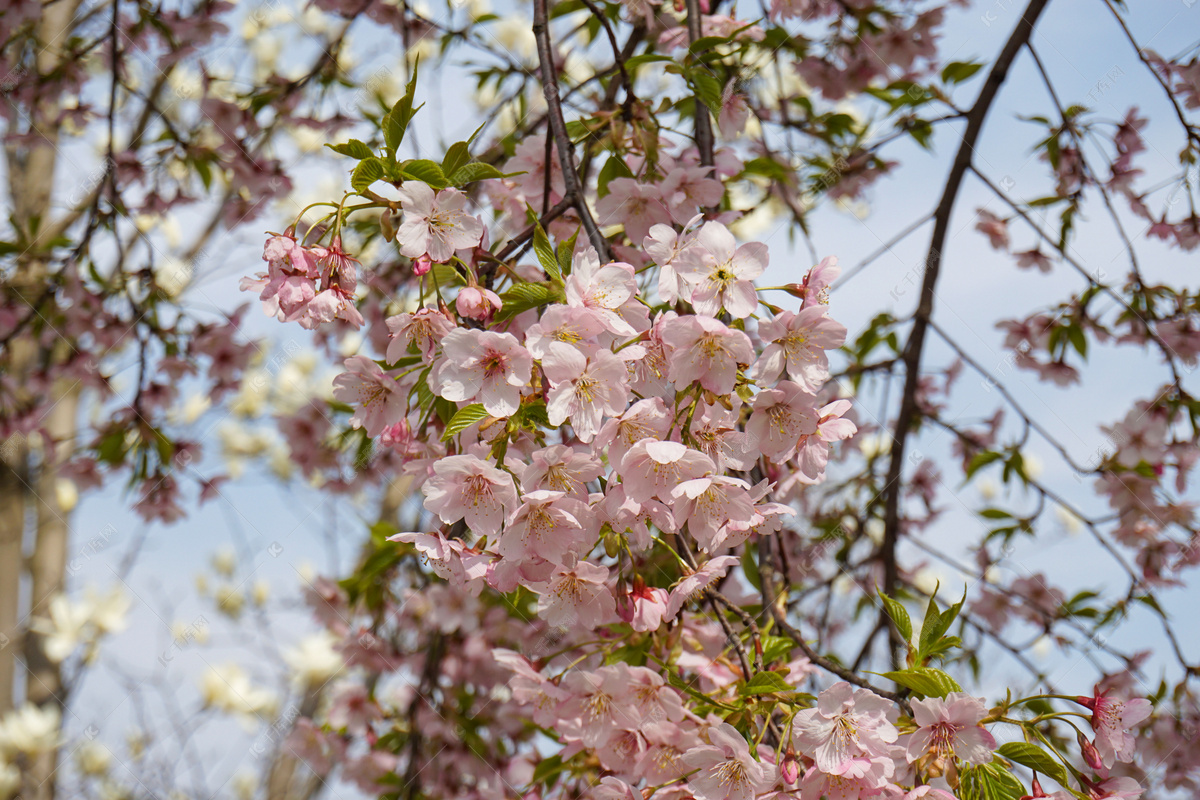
{"x":563,"y":450}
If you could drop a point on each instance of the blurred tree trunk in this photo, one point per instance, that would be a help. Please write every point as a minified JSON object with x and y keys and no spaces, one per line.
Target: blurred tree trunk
{"x":29,"y":473}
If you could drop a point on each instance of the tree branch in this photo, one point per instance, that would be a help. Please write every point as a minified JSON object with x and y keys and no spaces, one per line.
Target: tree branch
{"x":916,"y":340}
{"x":558,"y":127}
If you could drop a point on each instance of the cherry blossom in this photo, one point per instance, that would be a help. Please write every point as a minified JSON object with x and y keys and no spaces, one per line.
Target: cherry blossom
{"x":490,"y":366}
{"x":721,"y":273}
{"x":466,"y":487}
{"x":1113,"y":720}
{"x":584,"y":389}
{"x":655,"y":469}
{"x":704,"y":350}
{"x":949,"y":727}
{"x":435,"y":224}
{"x":727,"y":771}
{"x":797,"y":344}
{"x":577,"y":595}
{"x":376,"y":395}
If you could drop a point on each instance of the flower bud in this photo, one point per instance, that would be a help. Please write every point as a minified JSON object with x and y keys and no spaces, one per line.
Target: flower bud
{"x":1090,"y":754}
{"x":789,"y":769}
{"x":476,"y":303}
{"x":422,"y":265}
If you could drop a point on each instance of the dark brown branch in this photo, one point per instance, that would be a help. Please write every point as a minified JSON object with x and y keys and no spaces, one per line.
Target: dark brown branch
{"x":916,"y":340}
{"x":558,"y":127}
{"x":704,"y":131}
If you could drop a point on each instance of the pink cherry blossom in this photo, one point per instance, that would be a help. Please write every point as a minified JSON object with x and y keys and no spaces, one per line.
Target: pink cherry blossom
{"x":645,"y":419}
{"x":846,"y":724}
{"x":710,"y":505}
{"x":467,"y":487}
{"x":584,"y":389}
{"x":636,"y":205}
{"x":722,"y":274}
{"x":1113,"y":720}
{"x":727,"y":771}
{"x":781,"y":418}
{"x":424,"y":329}
{"x":644,"y":606}
{"x":813,"y":452}
{"x":435,"y":224}
{"x":950,"y":727}
{"x":817,"y":282}
{"x":693,"y":585}
{"x":606,"y":290}
{"x":797,"y":344}
{"x":577,"y":596}
{"x":564,"y":326}
{"x":490,"y":366}
{"x":704,"y":350}
{"x":560,"y":468}
{"x":376,"y":395}
{"x":653,"y":469}
{"x":548,"y":525}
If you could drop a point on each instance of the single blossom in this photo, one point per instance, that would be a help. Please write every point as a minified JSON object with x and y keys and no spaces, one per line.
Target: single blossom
{"x":645,"y":419}
{"x":490,"y":366}
{"x":476,"y":303}
{"x":846,"y":726}
{"x":693,"y":586}
{"x":722,"y":274}
{"x":467,"y":487}
{"x":712,"y":504}
{"x":797,"y":345}
{"x":950,"y":727}
{"x":577,"y":597}
{"x":781,"y":418}
{"x":704,"y":350}
{"x":1113,"y":722}
{"x":423,"y":330}
{"x":654,"y":469}
{"x":584,"y":390}
{"x":435,"y":224}
{"x":548,"y":525}
{"x":376,"y":395}
{"x":726,"y":770}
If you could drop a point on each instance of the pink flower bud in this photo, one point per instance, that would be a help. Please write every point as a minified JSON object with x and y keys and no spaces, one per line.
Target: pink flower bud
{"x":789,"y":769}
{"x":422,"y":265}
{"x":477,"y":303}
{"x":1090,"y":754}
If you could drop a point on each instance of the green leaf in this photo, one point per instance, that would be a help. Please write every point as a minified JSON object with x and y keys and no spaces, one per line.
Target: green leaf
{"x":545,"y":252}
{"x":477,"y":171}
{"x":367,"y":172}
{"x":899,"y":616}
{"x":456,"y":156}
{"x":645,"y":58}
{"x":353,"y":148}
{"x":989,"y":782}
{"x":426,"y":171}
{"x":395,"y":122}
{"x":566,"y":250}
{"x":615,"y":167}
{"x":547,"y":767}
{"x":959,"y":71}
{"x":925,"y":681}
{"x":765,"y":683}
{"x":522,"y":297}
{"x":464,"y":418}
{"x":776,"y":647}
{"x":980,"y":460}
{"x":1034,"y":757}
{"x":708,"y":89}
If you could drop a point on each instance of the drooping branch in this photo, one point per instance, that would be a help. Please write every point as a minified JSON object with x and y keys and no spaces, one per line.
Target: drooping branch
{"x":558,"y":128}
{"x":907,"y":415}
